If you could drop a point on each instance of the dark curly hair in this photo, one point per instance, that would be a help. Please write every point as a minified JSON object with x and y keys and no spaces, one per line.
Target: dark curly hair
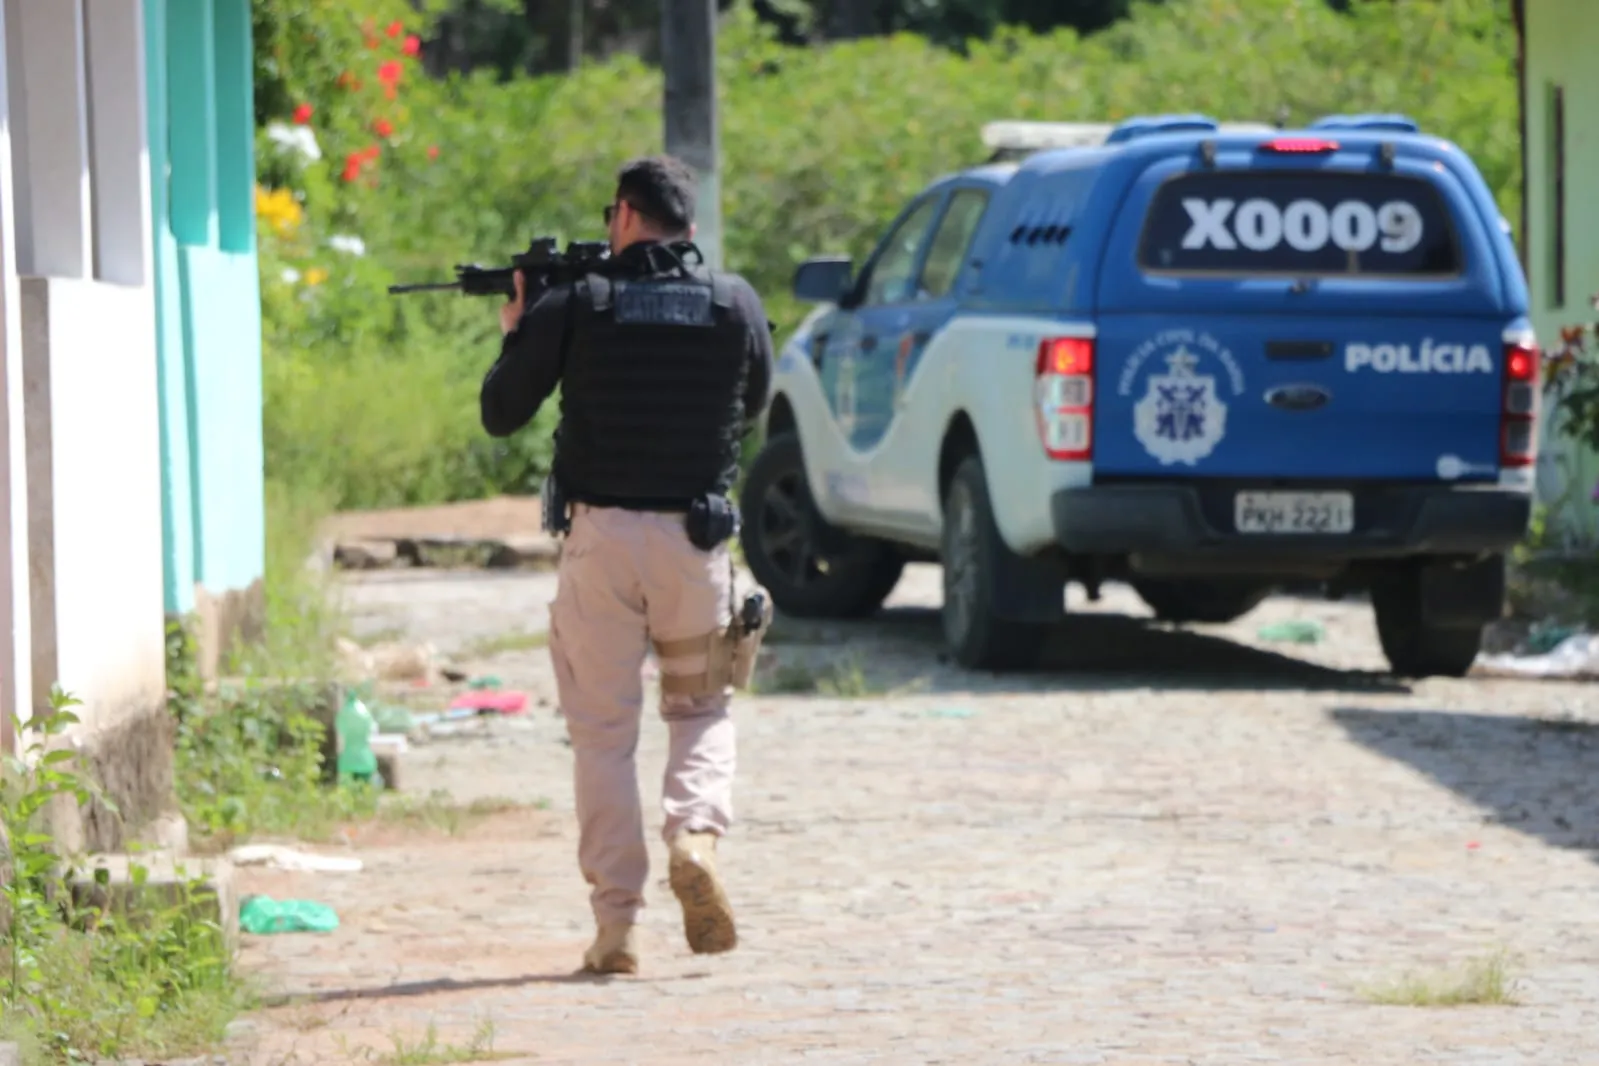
{"x":662,"y":188}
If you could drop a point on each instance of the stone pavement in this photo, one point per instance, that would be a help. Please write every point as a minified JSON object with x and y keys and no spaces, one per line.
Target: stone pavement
{"x":1167,"y":848}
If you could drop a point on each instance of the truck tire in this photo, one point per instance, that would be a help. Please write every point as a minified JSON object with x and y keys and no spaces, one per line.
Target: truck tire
{"x":811,"y":568}
{"x":1192,"y":600}
{"x":972,"y":553}
{"x":1415,"y":647}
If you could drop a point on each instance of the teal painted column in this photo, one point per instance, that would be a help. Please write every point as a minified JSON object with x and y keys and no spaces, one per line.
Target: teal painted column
{"x":191,"y":70}
{"x":177,"y":510}
{"x":235,"y":127}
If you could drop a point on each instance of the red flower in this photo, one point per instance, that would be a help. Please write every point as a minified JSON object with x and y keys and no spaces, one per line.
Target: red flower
{"x":391,"y":92}
{"x":412,"y":45}
{"x":372,"y":42}
{"x":433,"y":151}
{"x":352,"y":166}
{"x":383,"y":127}
{"x":370,"y":153}
{"x":395,"y":28}
{"x":303,"y":113}
{"x":391,"y":72}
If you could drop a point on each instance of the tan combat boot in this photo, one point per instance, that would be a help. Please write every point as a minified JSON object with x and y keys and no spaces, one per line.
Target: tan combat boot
{"x":707,"y":912}
{"x":615,"y":950}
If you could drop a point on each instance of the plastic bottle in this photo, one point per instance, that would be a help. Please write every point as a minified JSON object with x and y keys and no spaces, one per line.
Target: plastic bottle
{"x":355,"y":727}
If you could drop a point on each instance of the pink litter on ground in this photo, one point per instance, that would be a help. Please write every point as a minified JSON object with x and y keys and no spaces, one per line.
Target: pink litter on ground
{"x":503,"y":702}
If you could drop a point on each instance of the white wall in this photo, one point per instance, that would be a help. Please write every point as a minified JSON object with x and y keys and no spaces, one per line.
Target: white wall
{"x":16,"y":645}
{"x":88,"y":354}
{"x":93,"y":446}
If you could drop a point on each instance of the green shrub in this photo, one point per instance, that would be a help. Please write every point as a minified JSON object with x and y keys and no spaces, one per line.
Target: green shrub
{"x":82,"y":983}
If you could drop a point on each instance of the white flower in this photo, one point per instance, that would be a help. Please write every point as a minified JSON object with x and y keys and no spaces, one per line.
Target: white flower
{"x":295,"y":138}
{"x":341,"y":242}
{"x":290,"y":275}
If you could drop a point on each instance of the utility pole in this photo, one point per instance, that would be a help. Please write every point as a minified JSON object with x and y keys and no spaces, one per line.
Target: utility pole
{"x":688,"y":60}
{"x":574,"y":27}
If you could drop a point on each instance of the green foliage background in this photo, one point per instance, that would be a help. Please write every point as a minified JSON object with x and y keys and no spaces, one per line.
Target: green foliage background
{"x":372,"y":400}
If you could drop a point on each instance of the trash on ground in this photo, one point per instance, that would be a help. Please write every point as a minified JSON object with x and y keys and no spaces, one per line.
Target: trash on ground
{"x":354,"y":726}
{"x":1545,"y":639}
{"x":487,"y":681}
{"x":393,"y":661}
{"x":263,"y":915}
{"x":284,"y":858}
{"x":1574,"y":658}
{"x":951,"y":712}
{"x":1293,"y":632}
{"x":388,"y":744}
{"x":392,"y":719}
{"x":511,"y":702}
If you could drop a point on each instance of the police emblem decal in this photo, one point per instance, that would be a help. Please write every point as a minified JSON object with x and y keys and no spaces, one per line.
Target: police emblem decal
{"x":1181,"y":418}
{"x":1182,"y":415}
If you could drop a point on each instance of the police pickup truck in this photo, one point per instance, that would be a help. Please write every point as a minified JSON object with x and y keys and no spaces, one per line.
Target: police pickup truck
{"x":1205,"y":360}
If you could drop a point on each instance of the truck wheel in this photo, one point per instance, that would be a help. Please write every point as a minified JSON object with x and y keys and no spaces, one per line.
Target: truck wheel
{"x":972,"y":553}
{"x":811,"y":568}
{"x":1200,"y":601}
{"x":1414,"y":646}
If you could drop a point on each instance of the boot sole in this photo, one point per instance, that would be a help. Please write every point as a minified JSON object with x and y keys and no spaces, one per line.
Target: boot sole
{"x":707,"y":912}
{"x":616,"y":962}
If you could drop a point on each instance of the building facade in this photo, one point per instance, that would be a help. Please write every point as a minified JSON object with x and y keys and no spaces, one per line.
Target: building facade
{"x":1560,"y":220}
{"x":129,"y":321}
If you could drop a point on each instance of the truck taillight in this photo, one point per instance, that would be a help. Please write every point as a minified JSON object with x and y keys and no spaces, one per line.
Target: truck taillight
{"x":1518,"y":419}
{"x":1064,"y":397}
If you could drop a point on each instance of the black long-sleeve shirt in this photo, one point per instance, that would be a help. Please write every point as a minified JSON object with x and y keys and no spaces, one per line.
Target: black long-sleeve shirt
{"x":532,"y":358}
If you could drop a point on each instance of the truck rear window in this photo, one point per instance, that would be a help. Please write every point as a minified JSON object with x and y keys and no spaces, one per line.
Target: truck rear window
{"x":1256,"y":223}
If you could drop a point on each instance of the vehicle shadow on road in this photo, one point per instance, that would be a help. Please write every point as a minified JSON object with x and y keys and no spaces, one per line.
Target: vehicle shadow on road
{"x":903,"y":648}
{"x":1535,"y":775}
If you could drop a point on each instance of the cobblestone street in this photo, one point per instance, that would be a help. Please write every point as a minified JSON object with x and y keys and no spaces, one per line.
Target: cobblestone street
{"x":1168,"y":847}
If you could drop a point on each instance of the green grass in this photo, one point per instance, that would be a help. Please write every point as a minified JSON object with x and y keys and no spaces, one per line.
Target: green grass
{"x":488,"y":647}
{"x":429,"y":1051}
{"x":438,"y":811}
{"x":1479,"y":982}
{"x":839,"y":679}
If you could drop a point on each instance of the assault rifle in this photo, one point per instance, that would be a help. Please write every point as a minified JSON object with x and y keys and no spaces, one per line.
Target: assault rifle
{"x":543,"y":265}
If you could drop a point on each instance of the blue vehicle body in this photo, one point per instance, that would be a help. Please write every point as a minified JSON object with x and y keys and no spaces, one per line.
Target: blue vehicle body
{"x":1281,"y":320}
{"x":1062,"y":241}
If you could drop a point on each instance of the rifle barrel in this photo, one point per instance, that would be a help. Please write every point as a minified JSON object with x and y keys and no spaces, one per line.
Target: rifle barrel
{"x":429,"y":286}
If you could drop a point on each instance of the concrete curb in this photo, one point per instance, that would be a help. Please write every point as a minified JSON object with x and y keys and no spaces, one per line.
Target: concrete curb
{"x":533,"y":552}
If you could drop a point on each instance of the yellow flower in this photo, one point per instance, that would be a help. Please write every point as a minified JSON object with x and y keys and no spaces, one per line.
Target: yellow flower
{"x":279,"y":209}
{"x":315,"y":276}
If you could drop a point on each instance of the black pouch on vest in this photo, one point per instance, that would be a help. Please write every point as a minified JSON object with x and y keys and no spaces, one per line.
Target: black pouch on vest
{"x":712,"y":521}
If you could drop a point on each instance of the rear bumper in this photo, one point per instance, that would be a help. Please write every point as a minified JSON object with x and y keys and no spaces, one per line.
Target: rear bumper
{"x":1196,"y":522}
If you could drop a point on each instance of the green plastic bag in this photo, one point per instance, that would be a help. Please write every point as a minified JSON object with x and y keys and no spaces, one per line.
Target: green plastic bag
{"x":1295,"y":632}
{"x":263,"y":915}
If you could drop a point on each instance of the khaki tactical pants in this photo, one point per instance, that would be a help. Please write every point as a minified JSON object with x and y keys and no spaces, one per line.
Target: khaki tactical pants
{"x":626,"y":579}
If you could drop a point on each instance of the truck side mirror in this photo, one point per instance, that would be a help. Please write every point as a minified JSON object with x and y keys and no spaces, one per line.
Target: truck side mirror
{"x":824,"y":279}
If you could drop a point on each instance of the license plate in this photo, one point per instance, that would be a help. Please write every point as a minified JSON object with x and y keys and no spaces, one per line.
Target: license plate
{"x":1294,"y":512}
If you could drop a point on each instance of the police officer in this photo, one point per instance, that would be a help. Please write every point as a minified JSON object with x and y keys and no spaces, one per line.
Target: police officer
{"x":663,"y":368}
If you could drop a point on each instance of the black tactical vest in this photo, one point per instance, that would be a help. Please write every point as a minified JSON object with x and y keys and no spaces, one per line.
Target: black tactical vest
{"x":652,"y":393}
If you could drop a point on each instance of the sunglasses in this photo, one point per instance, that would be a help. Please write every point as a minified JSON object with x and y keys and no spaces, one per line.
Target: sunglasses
{"x":610,"y":210}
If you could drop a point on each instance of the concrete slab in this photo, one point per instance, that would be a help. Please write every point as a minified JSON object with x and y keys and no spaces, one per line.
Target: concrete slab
{"x":206,"y":885}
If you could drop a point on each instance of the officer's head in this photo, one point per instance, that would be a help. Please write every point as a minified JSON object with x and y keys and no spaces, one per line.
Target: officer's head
{"x":654,"y":202}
